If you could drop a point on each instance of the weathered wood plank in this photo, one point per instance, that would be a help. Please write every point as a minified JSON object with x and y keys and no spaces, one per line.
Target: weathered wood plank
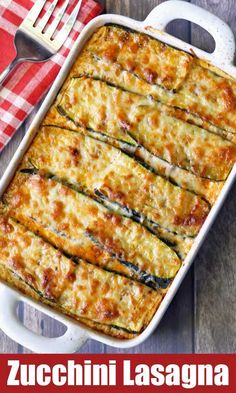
{"x":7,"y":153}
{"x":7,"y":345}
{"x":215,"y":268}
{"x":174,"y":334}
{"x":215,"y":275}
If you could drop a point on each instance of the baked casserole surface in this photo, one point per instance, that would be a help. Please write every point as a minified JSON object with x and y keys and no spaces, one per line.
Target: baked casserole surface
{"x":118,"y":181}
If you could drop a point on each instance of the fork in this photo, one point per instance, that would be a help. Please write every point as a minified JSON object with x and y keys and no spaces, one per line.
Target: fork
{"x":34,"y":42}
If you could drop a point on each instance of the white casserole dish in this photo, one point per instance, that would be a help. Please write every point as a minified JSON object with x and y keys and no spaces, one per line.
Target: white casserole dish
{"x":154,"y":24}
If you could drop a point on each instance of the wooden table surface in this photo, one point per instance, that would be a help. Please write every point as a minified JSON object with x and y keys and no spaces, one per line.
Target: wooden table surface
{"x":202,"y":316}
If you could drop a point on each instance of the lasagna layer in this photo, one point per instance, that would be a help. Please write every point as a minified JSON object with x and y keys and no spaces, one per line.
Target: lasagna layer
{"x":208,"y":189}
{"x":118,"y":181}
{"x":106,"y":172}
{"x":145,"y":57}
{"x":86,"y":229}
{"x":96,"y":105}
{"x":82,"y":290}
{"x":94,"y":67}
{"x":186,"y":82}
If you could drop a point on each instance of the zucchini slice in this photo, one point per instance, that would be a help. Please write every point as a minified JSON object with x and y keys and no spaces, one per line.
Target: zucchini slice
{"x":143,"y":56}
{"x":83,"y":290}
{"x":98,"y":106}
{"x":90,"y":65}
{"x":205,"y":188}
{"x":86,"y":229}
{"x":182,"y":80}
{"x":106,"y":172}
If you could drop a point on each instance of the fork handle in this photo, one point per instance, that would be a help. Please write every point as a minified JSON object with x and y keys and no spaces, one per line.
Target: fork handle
{"x":9,"y":68}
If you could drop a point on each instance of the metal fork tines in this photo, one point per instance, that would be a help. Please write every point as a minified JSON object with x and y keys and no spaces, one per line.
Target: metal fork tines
{"x":35,"y":39}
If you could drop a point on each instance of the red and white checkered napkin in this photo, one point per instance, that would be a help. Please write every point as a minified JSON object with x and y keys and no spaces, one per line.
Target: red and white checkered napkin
{"x":29,"y":81}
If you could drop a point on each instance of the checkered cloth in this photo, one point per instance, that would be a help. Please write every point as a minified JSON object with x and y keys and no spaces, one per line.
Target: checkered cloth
{"x":23,"y":89}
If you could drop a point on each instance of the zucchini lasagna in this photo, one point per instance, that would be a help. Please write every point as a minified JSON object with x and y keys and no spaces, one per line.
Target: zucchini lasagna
{"x":118,"y":181}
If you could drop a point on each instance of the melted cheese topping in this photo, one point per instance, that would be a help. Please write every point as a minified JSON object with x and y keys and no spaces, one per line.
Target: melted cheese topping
{"x":197,"y":89}
{"x":102,"y":169}
{"x":85,"y":162}
{"x":210,"y":96}
{"x":96,"y":105}
{"x":84,"y":290}
{"x":173,"y":112}
{"x":86,"y":223}
{"x":142,"y":55}
{"x":206,"y":188}
{"x":97,"y":68}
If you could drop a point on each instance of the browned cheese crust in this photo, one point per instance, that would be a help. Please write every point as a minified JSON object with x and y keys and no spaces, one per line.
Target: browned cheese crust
{"x":118,"y":181}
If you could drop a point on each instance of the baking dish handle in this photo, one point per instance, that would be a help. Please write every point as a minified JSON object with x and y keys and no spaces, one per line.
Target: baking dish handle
{"x":69,"y":342}
{"x":170,"y":10}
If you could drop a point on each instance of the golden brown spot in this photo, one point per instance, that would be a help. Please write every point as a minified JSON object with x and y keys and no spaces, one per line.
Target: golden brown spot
{"x":133,"y":47}
{"x":3,"y":243}
{"x":84,"y":307}
{"x":29,"y":279}
{"x":93,"y":210}
{"x":95,"y":154}
{"x":48,"y":283}
{"x":42,"y":159}
{"x":71,"y":276}
{"x":167,"y":80}
{"x":81,"y":287}
{"x":42,"y":173}
{"x":171,"y":151}
{"x":150,"y":75}
{"x":113,"y":194}
{"x":116,"y":219}
{"x":108,"y":215}
{"x":154,"y":119}
{"x":107,"y":310}
{"x":111,"y":53}
{"x":74,"y":222}
{"x":84,"y":275}
{"x":102,"y":112}
{"x":58,"y":210}
{"x":94,"y":285}
{"x":130,"y":65}
{"x":227,"y":154}
{"x":64,"y":227}
{"x":75,"y":154}
{"x":27,"y":241}
{"x":84,"y":121}
{"x":97,"y":252}
{"x":129,"y":176}
{"x":105,"y":288}
{"x":145,"y":59}
{"x":16,"y":262}
{"x":65,"y":191}
{"x":5,"y":225}
{"x":196,"y":217}
{"x":47,"y":276}
{"x":228,"y":96}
